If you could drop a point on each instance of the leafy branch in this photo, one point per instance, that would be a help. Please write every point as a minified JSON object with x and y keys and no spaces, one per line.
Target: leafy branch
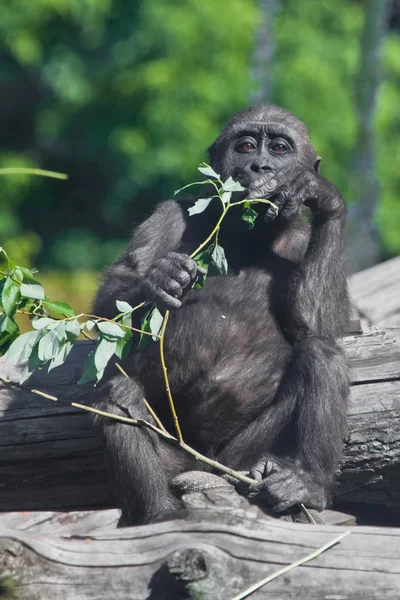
{"x":214,"y":254}
{"x":56,"y":327}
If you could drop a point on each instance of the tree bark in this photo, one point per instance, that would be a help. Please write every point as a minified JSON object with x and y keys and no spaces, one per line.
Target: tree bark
{"x":51,"y":457}
{"x":264,"y":49}
{"x":225,"y":546}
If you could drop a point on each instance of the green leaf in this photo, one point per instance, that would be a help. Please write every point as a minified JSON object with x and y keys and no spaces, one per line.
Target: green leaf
{"x":11,"y":263}
{"x":59,"y":329}
{"x":203,"y":259}
{"x":97,"y":360}
{"x":10,"y":296}
{"x":90,"y":324}
{"x":208,"y":171}
{"x":111,"y":330}
{"x":104,"y":351}
{"x":17,"y":274}
{"x":123,"y":306}
{"x":219,"y":260}
{"x":127,"y":320}
{"x":31,"y":287}
{"x":226,"y":196}
{"x":48,"y":346}
{"x":7,"y":325}
{"x":60,"y":308}
{"x":156,"y":321}
{"x":199,"y":206}
{"x":9,"y":331}
{"x":33,"y":363}
{"x":145,"y":326}
{"x":89,"y":370}
{"x":123,"y":347}
{"x":21,"y":349}
{"x":61,"y":355}
{"x":249,"y":215}
{"x":73,"y":329}
{"x":230,"y":185}
{"x":41,"y":322}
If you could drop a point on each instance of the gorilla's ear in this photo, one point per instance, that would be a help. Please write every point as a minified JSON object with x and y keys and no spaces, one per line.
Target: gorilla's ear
{"x":316,"y":163}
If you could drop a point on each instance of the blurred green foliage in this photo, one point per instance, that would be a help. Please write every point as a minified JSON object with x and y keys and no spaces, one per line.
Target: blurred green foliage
{"x":122,"y":96}
{"x":126,"y":96}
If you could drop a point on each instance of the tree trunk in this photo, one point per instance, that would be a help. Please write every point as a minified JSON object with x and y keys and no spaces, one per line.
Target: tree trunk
{"x":51,"y":457}
{"x":261,"y":66}
{"x":225,"y":546}
{"x":362,"y":241}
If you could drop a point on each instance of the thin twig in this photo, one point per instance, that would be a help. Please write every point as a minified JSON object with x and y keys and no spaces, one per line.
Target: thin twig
{"x":29,"y":171}
{"x":166,"y":379}
{"x":308,"y":515}
{"x":87,"y":336}
{"x":154,"y":415}
{"x":137,"y":423}
{"x":25,"y":312}
{"x":298,"y":563}
{"x":214,"y":231}
{"x":147,"y":405}
{"x":255,"y":201}
{"x":124,"y":373}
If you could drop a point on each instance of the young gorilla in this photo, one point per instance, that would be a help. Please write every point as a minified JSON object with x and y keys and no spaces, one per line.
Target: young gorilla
{"x":258,"y":381}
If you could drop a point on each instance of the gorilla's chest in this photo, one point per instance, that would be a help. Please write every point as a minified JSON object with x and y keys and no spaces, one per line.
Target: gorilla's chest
{"x":229,"y":314}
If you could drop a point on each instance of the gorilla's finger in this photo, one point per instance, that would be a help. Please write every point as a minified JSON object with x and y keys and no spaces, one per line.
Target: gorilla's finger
{"x":282,"y":506}
{"x":164,"y":300}
{"x":279,"y":201}
{"x":201,"y":270}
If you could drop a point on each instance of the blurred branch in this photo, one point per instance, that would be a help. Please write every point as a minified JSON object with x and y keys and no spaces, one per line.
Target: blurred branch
{"x":362,"y":242}
{"x":264,"y":52}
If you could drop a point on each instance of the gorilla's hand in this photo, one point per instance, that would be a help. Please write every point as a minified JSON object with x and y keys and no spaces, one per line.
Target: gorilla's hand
{"x":169,"y":278}
{"x":284,"y":484}
{"x":304,"y":186}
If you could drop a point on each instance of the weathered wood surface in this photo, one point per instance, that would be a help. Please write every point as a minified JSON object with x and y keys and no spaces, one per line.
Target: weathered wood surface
{"x":375,"y":293}
{"x":51,"y":458}
{"x":220,"y":550}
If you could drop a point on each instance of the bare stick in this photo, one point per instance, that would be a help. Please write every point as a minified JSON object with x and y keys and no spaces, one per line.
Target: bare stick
{"x":298,"y":563}
{"x":147,"y":405}
{"x":167,"y":386}
{"x":137,"y":423}
{"x":214,"y":231}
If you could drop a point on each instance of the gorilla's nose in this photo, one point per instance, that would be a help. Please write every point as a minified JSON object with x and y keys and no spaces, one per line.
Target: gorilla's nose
{"x":259,"y":167}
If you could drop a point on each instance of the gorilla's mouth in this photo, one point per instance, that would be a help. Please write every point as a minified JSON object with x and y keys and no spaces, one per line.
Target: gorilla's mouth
{"x":262,"y":187}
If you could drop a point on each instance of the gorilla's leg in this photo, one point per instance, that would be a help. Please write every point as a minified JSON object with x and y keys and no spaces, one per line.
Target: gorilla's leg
{"x":141,"y":464}
{"x":294,"y":446}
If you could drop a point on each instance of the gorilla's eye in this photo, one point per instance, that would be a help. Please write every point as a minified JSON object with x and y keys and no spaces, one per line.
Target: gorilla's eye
{"x":245,"y":147}
{"x":279,"y":146}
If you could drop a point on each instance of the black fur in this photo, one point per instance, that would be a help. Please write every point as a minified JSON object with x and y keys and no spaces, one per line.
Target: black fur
{"x":258,"y":380}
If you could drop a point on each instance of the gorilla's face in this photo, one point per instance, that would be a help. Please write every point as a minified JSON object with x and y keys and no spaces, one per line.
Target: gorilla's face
{"x":259,"y":155}
{"x":260,"y":148}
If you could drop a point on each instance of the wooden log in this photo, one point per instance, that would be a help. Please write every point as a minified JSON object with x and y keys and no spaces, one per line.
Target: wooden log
{"x":51,"y":458}
{"x":375,"y":293}
{"x":224,"y":546}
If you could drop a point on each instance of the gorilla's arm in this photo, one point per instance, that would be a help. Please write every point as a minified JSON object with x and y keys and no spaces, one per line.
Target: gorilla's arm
{"x":150,"y":268}
{"x":317,"y":299}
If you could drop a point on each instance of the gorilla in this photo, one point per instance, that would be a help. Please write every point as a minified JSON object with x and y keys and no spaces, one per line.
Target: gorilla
{"x":257,"y":377}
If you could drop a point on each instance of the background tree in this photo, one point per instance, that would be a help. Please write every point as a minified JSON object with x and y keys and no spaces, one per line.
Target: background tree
{"x":263,"y":54}
{"x":362,"y":241}
{"x":125,"y":97}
